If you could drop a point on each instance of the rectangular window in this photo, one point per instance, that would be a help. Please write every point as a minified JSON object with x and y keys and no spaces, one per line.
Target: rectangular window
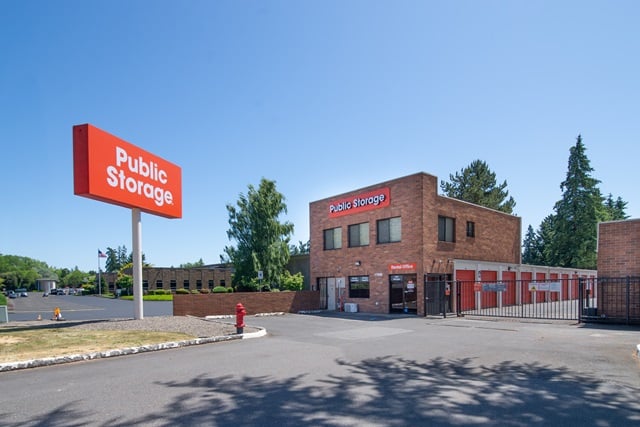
{"x":145,"y":285}
{"x":210,"y":284}
{"x":173,"y":285}
{"x":186,"y":284}
{"x":198,"y":284}
{"x":358,"y":286}
{"x":333,"y":238}
{"x":471,"y":229}
{"x":389,"y":230}
{"x":223,"y":283}
{"x":158,"y":284}
{"x":359,"y":235}
{"x":446,"y":229}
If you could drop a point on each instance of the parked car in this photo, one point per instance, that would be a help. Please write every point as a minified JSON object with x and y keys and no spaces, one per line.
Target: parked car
{"x":22,"y":292}
{"x":12,"y":294}
{"x":57,"y":292}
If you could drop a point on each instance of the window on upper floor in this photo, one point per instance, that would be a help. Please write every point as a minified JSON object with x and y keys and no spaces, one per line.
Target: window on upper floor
{"x":359,"y":235}
{"x":389,"y":230}
{"x":446,"y":229}
{"x":333,"y":238}
{"x":471,"y":229}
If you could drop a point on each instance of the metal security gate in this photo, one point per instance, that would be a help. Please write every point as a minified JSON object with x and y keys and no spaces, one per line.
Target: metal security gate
{"x":437,"y":294}
{"x":555,"y":299}
{"x":618,"y":301}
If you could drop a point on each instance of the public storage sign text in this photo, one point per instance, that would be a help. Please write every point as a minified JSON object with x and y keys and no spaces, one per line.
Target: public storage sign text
{"x":361,"y":202}
{"x":111,"y":170}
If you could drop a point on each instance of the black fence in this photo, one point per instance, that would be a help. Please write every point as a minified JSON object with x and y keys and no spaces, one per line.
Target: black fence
{"x":618,"y":301}
{"x":604,"y":299}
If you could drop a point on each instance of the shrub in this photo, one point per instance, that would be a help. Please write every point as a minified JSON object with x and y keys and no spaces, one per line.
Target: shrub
{"x":204,"y":291}
{"x":219,"y":290}
{"x":182,"y":291}
{"x":195,"y":291}
{"x":292,"y":282}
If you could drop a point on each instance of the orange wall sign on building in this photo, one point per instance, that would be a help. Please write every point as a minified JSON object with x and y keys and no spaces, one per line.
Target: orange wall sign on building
{"x":360,"y":203}
{"x":402,"y":266}
{"x":111,"y":170}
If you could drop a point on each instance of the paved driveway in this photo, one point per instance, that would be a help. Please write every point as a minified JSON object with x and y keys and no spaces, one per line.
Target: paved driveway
{"x":86,"y":307}
{"x":350,"y":370}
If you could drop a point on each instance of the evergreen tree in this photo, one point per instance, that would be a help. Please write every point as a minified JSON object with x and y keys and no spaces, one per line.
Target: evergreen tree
{"x":532,"y":248}
{"x":577,"y":214}
{"x":546,"y":234}
{"x":615,"y":210}
{"x":117,"y":258}
{"x":262,"y":240}
{"x":301,"y":249}
{"x":199,"y":263}
{"x":477,"y":184}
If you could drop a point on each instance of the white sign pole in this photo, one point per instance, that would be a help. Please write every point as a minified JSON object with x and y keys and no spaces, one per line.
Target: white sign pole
{"x":136,"y":237}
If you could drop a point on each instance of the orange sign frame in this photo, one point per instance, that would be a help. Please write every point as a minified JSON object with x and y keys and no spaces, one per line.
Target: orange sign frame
{"x":111,"y":170}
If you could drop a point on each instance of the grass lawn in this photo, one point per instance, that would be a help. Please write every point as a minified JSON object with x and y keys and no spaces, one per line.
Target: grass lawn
{"x":18,"y":344}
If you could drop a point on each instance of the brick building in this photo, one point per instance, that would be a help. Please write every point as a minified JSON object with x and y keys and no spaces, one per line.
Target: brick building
{"x":619,"y":270}
{"x":380,"y":246}
{"x":619,"y":248}
{"x":170,"y":278}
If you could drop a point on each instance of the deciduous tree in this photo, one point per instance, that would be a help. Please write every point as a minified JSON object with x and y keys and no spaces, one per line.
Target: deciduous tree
{"x":262,"y":240}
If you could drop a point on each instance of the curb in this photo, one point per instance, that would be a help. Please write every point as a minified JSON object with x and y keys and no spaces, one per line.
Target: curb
{"x":49,"y":361}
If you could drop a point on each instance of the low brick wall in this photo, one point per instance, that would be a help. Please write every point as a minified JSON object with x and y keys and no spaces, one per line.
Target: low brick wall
{"x":201,"y":305}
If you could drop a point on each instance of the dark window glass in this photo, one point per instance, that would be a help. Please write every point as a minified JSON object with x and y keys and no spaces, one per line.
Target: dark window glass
{"x":471,"y":229}
{"x":359,"y":234}
{"x":358,"y":286}
{"x":333,"y":238}
{"x":389,"y":230}
{"x":446,"y":228}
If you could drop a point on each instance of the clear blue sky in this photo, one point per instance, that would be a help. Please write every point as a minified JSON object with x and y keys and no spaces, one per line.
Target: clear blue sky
{"x":321,"y":96}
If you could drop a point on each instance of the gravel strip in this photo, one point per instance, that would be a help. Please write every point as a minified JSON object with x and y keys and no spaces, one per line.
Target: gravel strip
{"x":194,"y":326}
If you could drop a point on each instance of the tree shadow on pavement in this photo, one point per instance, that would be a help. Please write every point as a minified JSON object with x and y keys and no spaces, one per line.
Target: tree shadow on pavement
{"x":392,"y":391}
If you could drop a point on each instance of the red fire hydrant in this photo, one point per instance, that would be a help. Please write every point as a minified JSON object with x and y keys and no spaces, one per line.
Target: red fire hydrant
{"x":240,"y":313}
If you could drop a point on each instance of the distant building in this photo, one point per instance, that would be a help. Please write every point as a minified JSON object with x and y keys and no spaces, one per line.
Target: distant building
{"x":172,"y":278}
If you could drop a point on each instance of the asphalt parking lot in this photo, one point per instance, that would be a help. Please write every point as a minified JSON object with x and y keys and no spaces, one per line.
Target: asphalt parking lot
{"x":351,"y":369}
{"x":85,"y":307}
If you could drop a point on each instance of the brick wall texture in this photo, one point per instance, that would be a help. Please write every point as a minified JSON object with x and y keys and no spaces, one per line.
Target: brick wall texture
{"x":619,"y":269}
{"x":619,"y":248}
{"x":201,"y":305}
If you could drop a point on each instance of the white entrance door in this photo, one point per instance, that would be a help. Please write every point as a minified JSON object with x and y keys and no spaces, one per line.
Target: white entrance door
{"x":331,"y":293}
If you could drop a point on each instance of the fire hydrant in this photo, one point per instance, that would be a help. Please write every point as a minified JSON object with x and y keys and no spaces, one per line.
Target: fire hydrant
{"x":240,"y":313}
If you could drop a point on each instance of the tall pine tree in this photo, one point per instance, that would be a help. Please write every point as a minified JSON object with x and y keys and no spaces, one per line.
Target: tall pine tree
{"x":615,"y":209}
{"x":477,"y":184}
{"x":532,"y":248}
{"x":577,"y":214}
